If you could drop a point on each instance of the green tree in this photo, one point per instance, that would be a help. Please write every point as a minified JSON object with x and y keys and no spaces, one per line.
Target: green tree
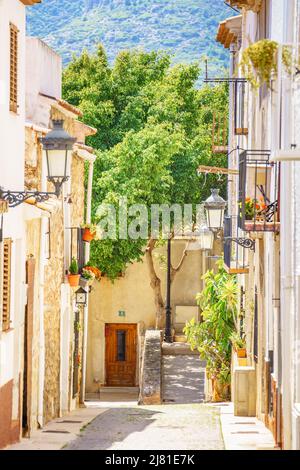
{"x":154,"y":129}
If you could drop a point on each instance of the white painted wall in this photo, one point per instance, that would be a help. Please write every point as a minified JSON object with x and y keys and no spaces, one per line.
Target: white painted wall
{"x":43,"y":76}
{"x":12,"y":138}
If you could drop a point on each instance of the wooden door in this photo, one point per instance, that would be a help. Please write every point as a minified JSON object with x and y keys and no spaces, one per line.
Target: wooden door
{"x":120,"y":354}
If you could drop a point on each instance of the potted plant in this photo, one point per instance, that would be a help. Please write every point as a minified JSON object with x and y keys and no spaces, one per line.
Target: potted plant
{"x":87,"y":278}
{"x":89,"y":232}
{"x":73,"y":276}
{"x":239,"y":345}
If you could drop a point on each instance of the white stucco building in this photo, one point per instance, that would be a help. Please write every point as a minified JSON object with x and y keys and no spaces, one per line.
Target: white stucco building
{"x":266,"y":146}
{"x":12,"y":251}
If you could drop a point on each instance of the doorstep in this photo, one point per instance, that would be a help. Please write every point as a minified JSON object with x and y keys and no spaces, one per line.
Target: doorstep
{"x":244,"y":432}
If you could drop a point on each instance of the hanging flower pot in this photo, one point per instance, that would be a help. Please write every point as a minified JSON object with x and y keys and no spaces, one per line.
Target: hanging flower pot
{"x":87,"y":278}
{"x":87,"y":235}
{"x":89,"y":232}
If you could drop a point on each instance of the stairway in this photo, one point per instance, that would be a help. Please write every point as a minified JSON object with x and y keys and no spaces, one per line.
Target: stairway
{"x":183,"y":374}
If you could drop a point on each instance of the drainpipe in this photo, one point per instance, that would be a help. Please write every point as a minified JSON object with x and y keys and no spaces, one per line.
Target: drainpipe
{"x":86,"y":309}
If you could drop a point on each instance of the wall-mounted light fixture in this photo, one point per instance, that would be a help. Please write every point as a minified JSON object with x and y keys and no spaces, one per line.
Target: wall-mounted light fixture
{"x":57,"y":146}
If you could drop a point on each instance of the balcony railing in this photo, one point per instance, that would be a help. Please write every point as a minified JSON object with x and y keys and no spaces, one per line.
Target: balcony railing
{"x":77,"y":247}
{"x":258,"y":202}
{"x":235,"y":248}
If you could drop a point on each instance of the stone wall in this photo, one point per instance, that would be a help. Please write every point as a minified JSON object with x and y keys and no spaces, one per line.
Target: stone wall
{"x":151,"y":369}
{"x":54,"y":275}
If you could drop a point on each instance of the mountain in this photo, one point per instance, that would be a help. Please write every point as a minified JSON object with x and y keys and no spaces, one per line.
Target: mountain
{"x":185,"y":28}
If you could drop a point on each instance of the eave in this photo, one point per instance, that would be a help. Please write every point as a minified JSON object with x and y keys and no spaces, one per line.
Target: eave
{"x":229,"y":31}
{"x":254,"y":5}
{"x":30,"y":2}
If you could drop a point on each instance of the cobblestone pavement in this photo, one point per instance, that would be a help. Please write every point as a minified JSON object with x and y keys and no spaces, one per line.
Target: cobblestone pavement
{"x":164,"y":427}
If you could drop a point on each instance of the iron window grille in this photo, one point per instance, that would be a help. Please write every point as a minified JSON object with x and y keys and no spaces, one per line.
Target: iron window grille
{"x":220,"y":134}
{"x":258,"y":203}
{"x":77,"y":248}
{"x":235,"y":248}
{"x":240,"y":122}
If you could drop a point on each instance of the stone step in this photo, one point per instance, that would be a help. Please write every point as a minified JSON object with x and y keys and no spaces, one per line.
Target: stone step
{"x":178,"y":349}
{"x":125,"y":390}
{"x":180,"y":338}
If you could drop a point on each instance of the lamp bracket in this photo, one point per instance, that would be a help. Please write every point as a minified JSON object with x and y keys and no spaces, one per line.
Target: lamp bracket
{"x":15,"y":198}
{"x":244,"y":242}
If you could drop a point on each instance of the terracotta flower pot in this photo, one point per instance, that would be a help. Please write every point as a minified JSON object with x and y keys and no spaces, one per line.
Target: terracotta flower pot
{"x":241,"y":352}
{"x":74,"y":280}
{"x":87,"y":235}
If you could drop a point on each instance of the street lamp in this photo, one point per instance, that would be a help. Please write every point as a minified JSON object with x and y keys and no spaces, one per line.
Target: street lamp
{"x":81,"y":297}
{"x":215,"y":209}
{"x":57,"y":146}
{"x":168,"y":330}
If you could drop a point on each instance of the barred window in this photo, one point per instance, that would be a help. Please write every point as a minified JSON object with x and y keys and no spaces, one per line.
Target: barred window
{"x":13,"y":90}
{"x":6,"y":284}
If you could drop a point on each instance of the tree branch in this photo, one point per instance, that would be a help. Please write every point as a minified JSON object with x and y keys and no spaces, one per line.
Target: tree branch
{"x":175,"y":270}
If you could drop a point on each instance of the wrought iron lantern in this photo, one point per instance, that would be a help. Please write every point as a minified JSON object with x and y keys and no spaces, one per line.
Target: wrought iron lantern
{"x":215,"y":210}
{"x":57,"y":146}
{"x":81,"y":297}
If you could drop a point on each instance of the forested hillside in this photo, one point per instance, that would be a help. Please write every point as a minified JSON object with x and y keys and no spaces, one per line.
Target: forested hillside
{"x":184,"y":28}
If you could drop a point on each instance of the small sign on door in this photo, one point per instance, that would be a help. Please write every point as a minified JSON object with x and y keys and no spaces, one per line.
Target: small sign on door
{"x":121,"y":313}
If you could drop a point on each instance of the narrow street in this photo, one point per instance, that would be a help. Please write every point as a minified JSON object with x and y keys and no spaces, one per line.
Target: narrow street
{"x":113,"y":420}
{"x":166,"y":427}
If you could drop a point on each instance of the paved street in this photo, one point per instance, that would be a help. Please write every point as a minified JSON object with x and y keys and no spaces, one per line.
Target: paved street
{"x":165,"y":427}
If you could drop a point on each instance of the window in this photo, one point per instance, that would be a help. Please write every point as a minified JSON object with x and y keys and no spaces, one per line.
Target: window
{"x":121,"y":345}
{"x":13,"y":91}
{"x":6,"y":284}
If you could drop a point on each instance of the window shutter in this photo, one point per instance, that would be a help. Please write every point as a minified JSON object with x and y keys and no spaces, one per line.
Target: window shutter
{"x":6,"y":284}
{"x":13,"y":101}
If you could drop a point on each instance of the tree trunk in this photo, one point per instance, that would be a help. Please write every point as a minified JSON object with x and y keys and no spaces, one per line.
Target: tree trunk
{"x":155,"y":282}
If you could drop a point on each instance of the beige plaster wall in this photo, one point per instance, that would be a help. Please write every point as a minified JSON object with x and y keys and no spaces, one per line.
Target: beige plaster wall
{"x":134,"y":295}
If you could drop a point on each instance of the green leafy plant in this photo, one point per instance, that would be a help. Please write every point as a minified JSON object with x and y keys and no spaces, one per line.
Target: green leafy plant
{"x":88,"y":274}
{"x":238,"y":341}
{"x":211,"y":337}
{"x":73,"y":269}
{"x":91,"y":227}
{"x":259,"y":62}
